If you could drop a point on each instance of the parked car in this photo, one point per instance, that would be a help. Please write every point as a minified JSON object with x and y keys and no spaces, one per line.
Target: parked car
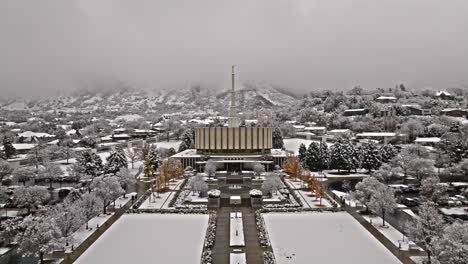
{"x":409,"y":202}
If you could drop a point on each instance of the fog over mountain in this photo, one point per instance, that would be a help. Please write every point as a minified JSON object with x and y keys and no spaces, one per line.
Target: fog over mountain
{"x":53,"y":47}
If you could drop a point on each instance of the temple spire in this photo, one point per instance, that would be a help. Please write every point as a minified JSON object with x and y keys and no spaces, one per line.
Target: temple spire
{"x":234,"y":121}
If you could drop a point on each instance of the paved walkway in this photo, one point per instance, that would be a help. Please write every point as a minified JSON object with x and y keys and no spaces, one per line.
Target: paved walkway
{"x":221,"y":249}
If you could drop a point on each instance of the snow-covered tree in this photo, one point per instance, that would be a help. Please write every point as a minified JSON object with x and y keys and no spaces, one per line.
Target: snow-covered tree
{"x":188,"y":140}
{"x":132,"y":155}
{"x":428,"y":226}
{"x":107,"y":188}
{"x":23,"y":174}
{"x":317,"y":157}
{"x":210,"y":168}
{"x":388,"y":152}
{"x":387,"y":173}
{"x":116,"y":161}
{"x":432,"y":190}
{"x":365,"y":190}
{"x":68,"y":217}
{"x":382,"y":201}
{"x":41,"y":236}
{"x":452,"y":246}
{"x":50,"y":172}
{"x":8,"y":151}
{"x":5,"y":169}
{"x":90,"y":163}
{"x":277,"y":139}
{"x":272,"y":183}
{"x":91,"y":204}
{"x":9,"y":229}
{"x":303,"y":154}
{"x":198,"y":184}
{"x":343,"y":156}
{"x":127,"y":180}
{"x":150,"y":153}
{"x":370,"y":156}
{"x":258,"y":169}
{"x":421,"y":168}
{"x":30,"y":197}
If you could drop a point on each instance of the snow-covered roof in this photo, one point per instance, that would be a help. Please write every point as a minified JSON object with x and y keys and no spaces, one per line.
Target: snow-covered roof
{"x":427,"y":140}
{"x":305,"y":134}
{"x":452,"y":109}
{"x":376,"y":134}
{"x":144,"y":131}
{"x":299,"y":126}
{"x":29,"y":134}
{"x":121,"y":136}
{"x":386,"y":98}
{"x":315,"y":128}
{"x":339,"y":131}
{"x":291,"y":122}
{"x":439,"y":93}
{"x":71,"y":132}
{"x":53,"y":142}
{"x":355,"y":110}
{"x":22,"y":146}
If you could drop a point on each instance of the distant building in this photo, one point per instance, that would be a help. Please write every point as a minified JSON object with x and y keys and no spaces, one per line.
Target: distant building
{"x":444,"y":95}
{"x":415,"y":110}
{"x":355,"y":112}
{"x":428,"y":141}
{"x":384,"y":137}
{"x":340,"y":132}
{"x":455,"y":112}
{"x":319,"y":131}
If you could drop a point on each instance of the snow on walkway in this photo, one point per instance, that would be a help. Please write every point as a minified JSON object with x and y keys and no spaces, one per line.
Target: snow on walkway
{"x":391,"y":233}
{"x":236,"y":237}
{"x":150,"y":238}
{"x":332,"y":238}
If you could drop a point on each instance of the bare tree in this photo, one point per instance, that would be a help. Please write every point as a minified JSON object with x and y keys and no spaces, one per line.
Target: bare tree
{"x":132,"y":155}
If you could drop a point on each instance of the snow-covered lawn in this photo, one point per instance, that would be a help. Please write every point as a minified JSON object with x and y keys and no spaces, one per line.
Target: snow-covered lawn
{"x":395,"y":236}
{"x":150,"y":238}
{"x":237,"y":258}
{"x":332,"y":238}
{"x":236,"y":230}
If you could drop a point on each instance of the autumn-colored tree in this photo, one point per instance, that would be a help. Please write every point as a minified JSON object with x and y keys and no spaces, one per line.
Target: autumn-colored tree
{"x":148,"y":169}
{"x":293,"y":166}
{"x":316,"y":187}
{"x":170,"y":169}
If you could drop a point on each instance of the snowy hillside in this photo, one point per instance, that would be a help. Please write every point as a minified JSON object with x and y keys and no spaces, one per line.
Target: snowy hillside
{"x":249,"y":96}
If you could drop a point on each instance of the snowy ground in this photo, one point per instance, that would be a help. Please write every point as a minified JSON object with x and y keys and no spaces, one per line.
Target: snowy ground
{"x":332,"y":238}
{"x":150,"y":238}
{"x":311,"y":201}
{"x":82,"y":234}
{"x":162,"y":200}
{"x":395,"y":236}
{"x":292,"y":144}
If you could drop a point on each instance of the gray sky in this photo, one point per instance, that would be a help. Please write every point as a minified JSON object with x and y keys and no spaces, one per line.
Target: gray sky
{"x":53,"y":46}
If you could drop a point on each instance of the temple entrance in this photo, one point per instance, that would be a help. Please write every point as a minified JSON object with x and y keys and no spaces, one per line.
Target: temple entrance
{"x":233,"y":167}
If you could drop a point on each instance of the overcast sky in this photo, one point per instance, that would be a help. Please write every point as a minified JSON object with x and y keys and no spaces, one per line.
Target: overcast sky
{"x":49,"y":47}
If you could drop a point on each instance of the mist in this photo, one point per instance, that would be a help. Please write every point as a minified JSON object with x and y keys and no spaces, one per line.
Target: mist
{"x":52,"y":47}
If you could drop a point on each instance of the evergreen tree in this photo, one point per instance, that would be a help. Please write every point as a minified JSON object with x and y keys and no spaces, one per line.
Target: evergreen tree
{"x":116,"y":161}
{"x":90,"y":163}
{"x":313,"y":161}
{"x":324,"y":157}
{"x":8,"y":150}
{"x":277,"y":139}
{"x":150,"y":153}
{"x":343,"y":156}
{"x":370,"y":156}
{"x":303,"y":154}
{"x":188,"y":140}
